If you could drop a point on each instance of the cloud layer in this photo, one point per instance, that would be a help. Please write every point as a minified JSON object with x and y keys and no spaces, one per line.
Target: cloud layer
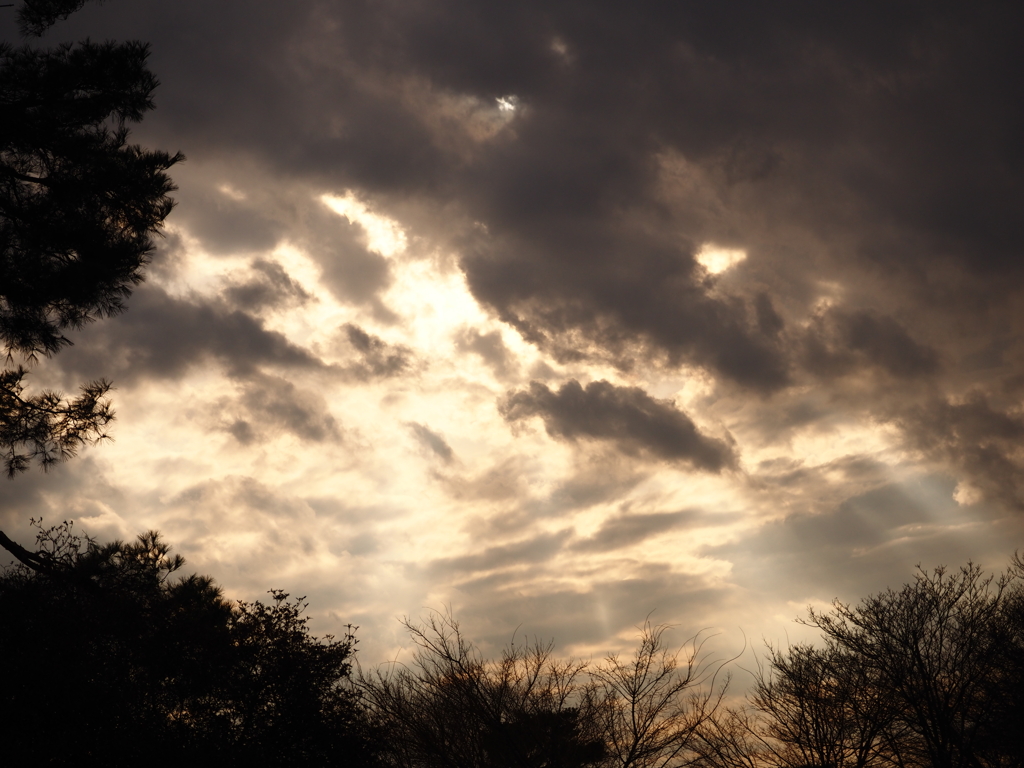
{"x":409,"y":234}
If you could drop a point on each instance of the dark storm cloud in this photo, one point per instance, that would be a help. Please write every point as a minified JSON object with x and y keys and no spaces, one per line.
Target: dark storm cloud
{"x":269,"y":286}
{"x":224,"y":223}
{"x":885,"y":130}
{"x":490,"y":347}
{"x":597,"y":293}
{"x":833,"y":142}
{"x":65,"y":492}
{"x":844,"y":342}
{"x":162,"y":336}
{"x":978,"y":437}
{"x":432,"y":442}
{"x":268,"y":213}
{"x":270,"y":404}
{"x":751,"y":88}
{"x":378,"y":359}
{"x":352,"y":273}
{"x":628,"y":416}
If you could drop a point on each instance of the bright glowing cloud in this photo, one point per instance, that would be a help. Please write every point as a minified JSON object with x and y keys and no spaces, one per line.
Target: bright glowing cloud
{"x":507,"y":103}
{"x":383,"y":235}
{"x":716,"y":260}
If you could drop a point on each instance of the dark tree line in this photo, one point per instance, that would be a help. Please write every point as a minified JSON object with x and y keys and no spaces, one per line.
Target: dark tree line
{"x":116,"y":656}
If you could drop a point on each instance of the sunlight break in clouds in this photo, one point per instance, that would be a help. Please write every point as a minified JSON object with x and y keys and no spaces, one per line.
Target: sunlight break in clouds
{"x":383,"y":235}
{"x":716,"y":260}
{"x":508,"y":103}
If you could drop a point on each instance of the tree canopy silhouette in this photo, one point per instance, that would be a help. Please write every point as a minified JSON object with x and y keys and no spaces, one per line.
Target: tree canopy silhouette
{"x":37,"y":16}
{"x":79,"y":206}
{"x":928,"y":676}
{"x":452,"y":708}
{"x":126,"y":659}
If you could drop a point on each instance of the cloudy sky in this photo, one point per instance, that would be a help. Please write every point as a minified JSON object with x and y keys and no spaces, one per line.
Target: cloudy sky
{"x":563,"y":313}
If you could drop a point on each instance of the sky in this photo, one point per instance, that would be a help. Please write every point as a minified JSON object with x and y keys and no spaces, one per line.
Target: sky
{"x":559,"y":315}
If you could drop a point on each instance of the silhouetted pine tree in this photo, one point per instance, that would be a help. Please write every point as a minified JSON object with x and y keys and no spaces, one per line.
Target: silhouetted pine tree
{"x":79,"y":206}
{"x":111,"y":658}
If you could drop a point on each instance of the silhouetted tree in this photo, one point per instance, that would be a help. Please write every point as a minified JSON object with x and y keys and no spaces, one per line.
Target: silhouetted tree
{"x":824,"y":707}
{"x":37,"y":16}
{"x":655,"y":702}
{"x":79,"y":205}
{"x":289,"y":694}
{"x":1004,"y":688}
{"x":932,"y":647}
{"x":925,"y":677}
{"x":123,"y":659}
{"x":451,"y":708}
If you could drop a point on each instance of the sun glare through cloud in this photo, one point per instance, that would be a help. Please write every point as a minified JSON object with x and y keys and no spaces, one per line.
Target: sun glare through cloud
{"x":230,"y":192}
{"x":717,"y":260}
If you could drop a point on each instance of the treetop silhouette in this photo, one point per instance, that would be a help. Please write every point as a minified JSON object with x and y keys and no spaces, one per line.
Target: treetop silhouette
{"x":79,"y":206}
{"x":37,"y":16}
{"x":129,"y":659}
{"x":927,"y":676}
